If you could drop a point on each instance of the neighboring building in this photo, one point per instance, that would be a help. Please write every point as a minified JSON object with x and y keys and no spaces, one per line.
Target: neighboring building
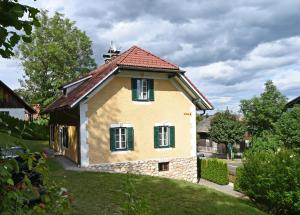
{"x":204,"y":143}
{"x":13,"y":105}
{"x":292,"y":103}
{"x":135,"y":113}
{"x":210,"y":148}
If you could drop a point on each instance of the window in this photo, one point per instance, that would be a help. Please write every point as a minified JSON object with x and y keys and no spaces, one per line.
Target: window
{"x":121,"y":142}
{"x":164,"y":136}
{"x":142,"y":89}
{"x":65,"y":137}
{"x":121,"y":138}
{"x":164,"y":166}
{"x":51,"y":134}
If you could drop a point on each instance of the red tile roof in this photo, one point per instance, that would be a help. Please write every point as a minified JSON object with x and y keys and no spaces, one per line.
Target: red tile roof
{"x":134,"y":57}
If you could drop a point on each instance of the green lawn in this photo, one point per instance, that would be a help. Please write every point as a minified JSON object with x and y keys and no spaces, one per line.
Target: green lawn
{"x":103,"y":193}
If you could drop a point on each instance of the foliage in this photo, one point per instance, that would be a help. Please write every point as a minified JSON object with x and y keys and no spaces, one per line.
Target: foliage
{"x":16,"y":19}
{"x":215,"y":170}
{"x":22,"y":193}
{"x":59,"y":53}
{"x":134,"y":205}
{"x":227,"y":129}
{"x":266,"y":142}
{"x":23,"y":129}
{"x":199,"y":118}
{"x":288,"y":128}
{"x":198,"y":168}
{"x":262,"y":112}
{"x":272,"y":179}
{"x":237,"y":186}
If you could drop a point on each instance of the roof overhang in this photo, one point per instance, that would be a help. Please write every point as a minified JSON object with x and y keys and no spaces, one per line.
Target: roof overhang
{"x":197,"y":98}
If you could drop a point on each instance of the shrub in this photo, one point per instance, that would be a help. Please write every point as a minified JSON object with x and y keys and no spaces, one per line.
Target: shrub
{"x":25,"y":187}
{"x":237,"y":186}
{"x":23,"y":129}
{"x":272,"y":179}
{"x":215,"y":170}
{"x":288,"y":128}
{"x":266,"y":142}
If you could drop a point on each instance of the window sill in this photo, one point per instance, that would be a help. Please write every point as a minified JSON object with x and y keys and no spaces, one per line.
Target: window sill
{"x":164,"y":149}
{"x":143,"y":102}
{"x":121,"y":151}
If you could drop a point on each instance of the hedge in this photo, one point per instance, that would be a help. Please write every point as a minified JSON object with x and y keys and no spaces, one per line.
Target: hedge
{"x":27,"y":130}
{"x":214,"y":170}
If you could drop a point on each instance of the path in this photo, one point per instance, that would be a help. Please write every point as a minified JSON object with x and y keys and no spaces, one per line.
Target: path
{"x":227,"y":189}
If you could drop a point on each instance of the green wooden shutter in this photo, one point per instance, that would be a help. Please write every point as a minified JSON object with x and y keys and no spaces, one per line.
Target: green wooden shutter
{"x":134,"y":89}
{"x":112,"y":139}
{"x":151,"y":89}
{"x":156,"y":138}
{"x":130,"y":138}
{"x":172,"y":136}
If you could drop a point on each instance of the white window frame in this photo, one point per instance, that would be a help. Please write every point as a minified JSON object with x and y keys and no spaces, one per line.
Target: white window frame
{"x":119,"y":141}
{"x":164,"y":136}
{"x":142,"y":89}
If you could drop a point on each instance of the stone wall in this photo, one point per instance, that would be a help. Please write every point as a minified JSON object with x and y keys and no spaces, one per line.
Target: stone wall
{"x":179,"y":168}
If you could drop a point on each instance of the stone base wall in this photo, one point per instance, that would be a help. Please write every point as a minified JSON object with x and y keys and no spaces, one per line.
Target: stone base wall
{"x":179,"y":168}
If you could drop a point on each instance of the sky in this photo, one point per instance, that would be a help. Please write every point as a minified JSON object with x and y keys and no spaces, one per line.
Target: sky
{"x":227,"y":48}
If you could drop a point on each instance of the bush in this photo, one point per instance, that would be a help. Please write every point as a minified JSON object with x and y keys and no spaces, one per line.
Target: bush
{"x":237,"y":186}
{"x":266,"y":142}
{"x":25,"y":187}
{"x":288,"y":128}
{"x":215,"y":170}
{"x":23,"y":129}
{"x":272,"y":179}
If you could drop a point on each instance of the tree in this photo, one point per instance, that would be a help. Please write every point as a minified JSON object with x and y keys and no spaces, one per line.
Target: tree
{"x":262,"y":112}
{"x":16,"y":22}
{"x":288,"y":128}
{"x":227,"y":129}
{"x":59,"y":52}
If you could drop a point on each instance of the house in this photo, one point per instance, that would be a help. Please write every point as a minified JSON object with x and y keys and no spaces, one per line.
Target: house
{"x":14,"y":105}
{"x":135,"y":113}
{"x":292,"y":103}
{"x":204,"y":143}
{"x":210,"y":148}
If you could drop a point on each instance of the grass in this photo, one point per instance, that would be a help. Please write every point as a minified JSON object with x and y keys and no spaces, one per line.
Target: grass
{"x":103,"y":193}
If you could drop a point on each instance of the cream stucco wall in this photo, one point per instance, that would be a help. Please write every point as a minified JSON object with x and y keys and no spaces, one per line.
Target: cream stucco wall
{"x":113,"y":104}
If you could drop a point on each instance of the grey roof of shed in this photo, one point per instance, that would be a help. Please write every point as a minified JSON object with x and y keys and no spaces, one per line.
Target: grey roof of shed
{"x":204,"y":125}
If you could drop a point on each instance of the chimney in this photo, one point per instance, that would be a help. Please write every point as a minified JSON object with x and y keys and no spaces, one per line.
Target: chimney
{"x":112,"y":53}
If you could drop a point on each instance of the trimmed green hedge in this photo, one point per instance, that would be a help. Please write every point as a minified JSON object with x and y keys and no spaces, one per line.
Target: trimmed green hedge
{"x":27,"y":130}
{"x":214,"y":170}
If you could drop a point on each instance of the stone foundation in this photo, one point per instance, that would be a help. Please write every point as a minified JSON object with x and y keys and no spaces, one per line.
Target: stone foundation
{"x":179,"y":168}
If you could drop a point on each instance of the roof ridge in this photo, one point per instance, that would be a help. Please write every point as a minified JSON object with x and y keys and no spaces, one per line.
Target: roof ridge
{"x":132,"y":48}
{"x":157,"y":57}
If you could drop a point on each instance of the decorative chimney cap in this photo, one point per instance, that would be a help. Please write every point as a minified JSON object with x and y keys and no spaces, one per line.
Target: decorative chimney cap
{"x":112,"y":52}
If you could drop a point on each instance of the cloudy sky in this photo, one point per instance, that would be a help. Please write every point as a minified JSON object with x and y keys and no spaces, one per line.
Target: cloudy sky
{"x":228,"y":48}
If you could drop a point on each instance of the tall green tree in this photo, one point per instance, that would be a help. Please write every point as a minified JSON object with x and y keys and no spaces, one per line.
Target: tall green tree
{"x":226,"y":128}
{"x":59,"y":52}
{"x":16,"y":22}
{"x":262,"y":112}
